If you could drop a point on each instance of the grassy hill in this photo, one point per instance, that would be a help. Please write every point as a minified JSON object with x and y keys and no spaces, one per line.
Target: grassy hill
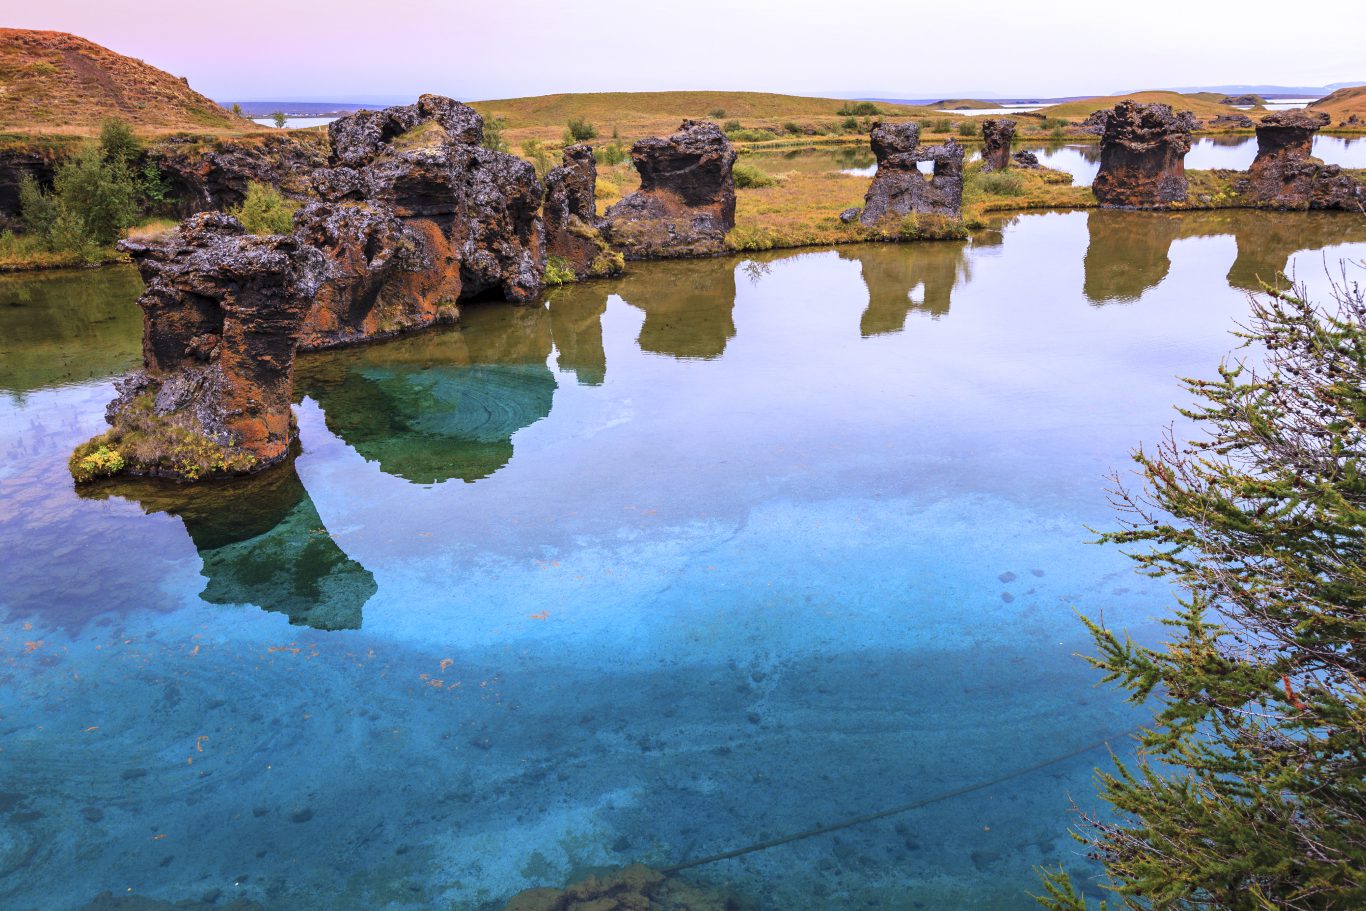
{"x":55,"y":83}
{"x":1205,"y":105}
{"x":1343,"y":104}
{"x":637,"y":114}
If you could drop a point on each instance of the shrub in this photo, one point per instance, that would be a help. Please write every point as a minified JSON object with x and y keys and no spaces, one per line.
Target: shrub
{"x":717,"y":113}
{"x":38,"y":210}
{"x":101,"y":463}
{"x":580,"y":130}
{"x":859,"y":109}
{"x":117,"y":142}
{"x":968,"y":127}
{"x":751,"y":135}
{"x":611,"y":154}
{"x":280,"y":119}
{"x":558,"y":272}
{"x":95,"y":197}
{"x":265,"y":210}
{"x":493,"y":134}
{"x":237,"y":110}
{"x":850,"y":125}
{"x":534,"y":151}
{"x":942,"y":125}
{"x":1002,"y":183}
{"x":731,"y":125}
{"x":749,"y":177}
{"x":796,"y":129}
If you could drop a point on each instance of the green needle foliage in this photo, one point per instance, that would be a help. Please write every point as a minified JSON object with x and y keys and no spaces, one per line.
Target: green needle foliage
{"x":1250,"y":791}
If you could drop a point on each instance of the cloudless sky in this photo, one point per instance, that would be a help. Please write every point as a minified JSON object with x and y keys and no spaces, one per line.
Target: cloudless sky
{"x":372,"y":50}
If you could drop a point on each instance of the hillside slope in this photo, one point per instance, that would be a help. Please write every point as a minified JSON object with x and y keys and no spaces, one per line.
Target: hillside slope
{"x":1203,"y":104}
{"x":53,"y":82}
{"x":1343,"y":103}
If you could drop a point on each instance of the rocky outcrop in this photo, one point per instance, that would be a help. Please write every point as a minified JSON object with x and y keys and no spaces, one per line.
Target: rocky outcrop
{"x":898,"y":187}
{"x":222,"y":315}
{"x":1241,"y":100}
{"x":1024,"y":159}
{"x":199,"y":179}
{"x":996,"y":138}
{"x":413,"y":217}
{"x":572,"y":233}
{"x":686,"y":202}
{"x":636,"y":888}
{"x":1236,"y":121}
{"x":1285,"y":173}
{"x":1142,"y":156}
{"x":37,"y":162}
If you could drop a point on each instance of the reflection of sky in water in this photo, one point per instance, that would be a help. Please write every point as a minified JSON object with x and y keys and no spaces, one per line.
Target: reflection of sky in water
{"x":741,"y":550}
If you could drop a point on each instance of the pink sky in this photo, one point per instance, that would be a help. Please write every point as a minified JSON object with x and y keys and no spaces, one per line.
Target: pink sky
{"x":366,"y":51}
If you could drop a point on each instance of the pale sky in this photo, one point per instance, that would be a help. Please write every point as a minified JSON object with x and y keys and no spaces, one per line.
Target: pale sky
{"x":370,"y":50}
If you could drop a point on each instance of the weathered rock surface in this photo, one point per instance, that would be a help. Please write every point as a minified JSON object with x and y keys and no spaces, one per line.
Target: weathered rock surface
{"x":1248,"y":100}
{"x":898,"y":187}
{"x":222,"y":315}
{"x":997,"y":134}
{"x":686,"y":201}
{"x":1025,"y":160}
{"x":1285,"y":173}
{"x":200,"y":179}
{"x":1142,"y":156}
{"x":414,"y":217}
{"x":572,"y":232}
{"x":1239,"y":121}
{"x":38,"y":163}
{"x":636,"y":888}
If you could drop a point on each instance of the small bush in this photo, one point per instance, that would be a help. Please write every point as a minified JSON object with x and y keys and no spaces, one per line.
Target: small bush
{"x":558,"y":272}
{"x":101,"y":463}
{"x":611,"y":154}
{"x":717,"y":113}
{"x":493,"y":134}
{"x":117,"y":142}
{"x":968,"y":127}
{"x":859,"y":109}
{"x":95,"y":197}
{"x":731,"y":125}
{"x":850,"y":125}
{"x":265,"y":210}
{"x":1002,"y":183}
{"x":942,"y":125}
{"x":796,"y":129}
{"x":580,"y":130}
{"x":749,"y":177}
{"x":534,"y":151}
{"x":751,"y":135}
{"x":38,"y":210}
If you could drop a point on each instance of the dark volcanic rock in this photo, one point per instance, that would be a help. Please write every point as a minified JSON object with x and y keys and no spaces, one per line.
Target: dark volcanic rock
{"x":1238,"y":121}
{"x":38,"y":163}
{"x":222,"y":315}
{"x":1248,"y":100}
{"x":899,"y":188}
{"x":686,"y":201}
{"x":1095,"y":122}
{"x":415,"y":217}
{"x":570,"y":215}
{"x":996,"y":138}
{"x":1142,"y":156}
{"x":201,"y":179}
{"x":1025,"y":160}
{"x":1286,"y":175}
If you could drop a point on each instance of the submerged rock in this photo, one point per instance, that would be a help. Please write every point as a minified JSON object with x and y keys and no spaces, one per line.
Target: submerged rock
{"x":686,"y":202}
{"x":997,"y":134}
{"x":636,"y":888}
{"x":898,"y":187}
{"x":1142,"y":156}
{"x":222,"y":315}
{"x":1285,"y":173}
{"x":572,"y":232}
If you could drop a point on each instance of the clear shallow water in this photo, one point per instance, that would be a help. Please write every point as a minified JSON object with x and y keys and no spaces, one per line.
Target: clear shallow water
{"x":715,"y":552}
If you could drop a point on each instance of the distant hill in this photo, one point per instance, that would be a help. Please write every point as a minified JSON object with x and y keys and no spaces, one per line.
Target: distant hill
{"x":52,"y":82}
{"x":1343,"y":103}
{"x":636,"y":114}
{"x":1289,"y":91}
{"x":1204,"y":105}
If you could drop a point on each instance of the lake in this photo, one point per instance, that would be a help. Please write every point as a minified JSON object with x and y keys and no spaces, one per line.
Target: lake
{"x":1080,"y":159}
{"x":662,"y":567}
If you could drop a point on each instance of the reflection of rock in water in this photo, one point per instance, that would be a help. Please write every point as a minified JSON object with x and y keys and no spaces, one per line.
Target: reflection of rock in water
{"x":893,"y":272}
{"x":440,"y":405}
{"x":576,"y":326}
{"x":1129,"y":252}
{"x":68,"y":327}
{"x":262,"y":542}
{"x":689,"y":307}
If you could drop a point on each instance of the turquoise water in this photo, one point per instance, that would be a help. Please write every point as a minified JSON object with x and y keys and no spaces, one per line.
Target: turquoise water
{"x":719,"y":551}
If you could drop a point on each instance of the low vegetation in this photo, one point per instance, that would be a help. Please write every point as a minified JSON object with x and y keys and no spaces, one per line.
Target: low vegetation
{"x":1250,"y":789}
{"x":265,"y":210}
{"x":750,"y":177}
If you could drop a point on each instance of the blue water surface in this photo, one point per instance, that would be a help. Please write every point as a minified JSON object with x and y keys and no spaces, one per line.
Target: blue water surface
{"x":664,"y":566}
